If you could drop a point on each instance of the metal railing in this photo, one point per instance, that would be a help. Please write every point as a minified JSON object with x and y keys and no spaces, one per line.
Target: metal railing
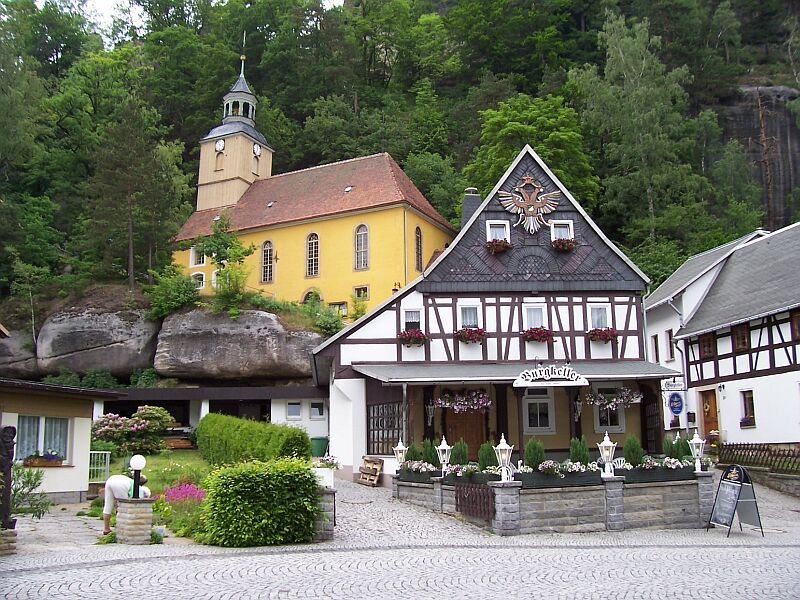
{"x":777,"y":460}
{"x":475,"y":500}
{"x":99,"y":464}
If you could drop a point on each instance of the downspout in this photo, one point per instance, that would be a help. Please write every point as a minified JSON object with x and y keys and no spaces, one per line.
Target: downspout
{"x":405,"y":256}
{"x":405,"y":413}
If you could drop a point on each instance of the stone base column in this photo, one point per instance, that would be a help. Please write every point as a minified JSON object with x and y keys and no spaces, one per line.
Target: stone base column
{"x":437,"y":494}
{"x":134,"y":520}
{"x":395,"y":489}
{"x":705,"y":495}
{"x":615,"y":503}
{"x":8,"y":542}
{"x":506,"y":507}
{"x":323,"y":524}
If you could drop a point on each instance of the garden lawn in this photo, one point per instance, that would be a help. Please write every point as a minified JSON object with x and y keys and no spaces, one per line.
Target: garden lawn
{"x":168,"y":467}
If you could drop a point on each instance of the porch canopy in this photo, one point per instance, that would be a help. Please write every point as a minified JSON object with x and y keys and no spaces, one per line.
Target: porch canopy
{"x":464,"y":373}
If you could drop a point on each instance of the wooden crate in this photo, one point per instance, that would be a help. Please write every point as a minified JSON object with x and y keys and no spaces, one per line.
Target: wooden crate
{"x":370,"y":471}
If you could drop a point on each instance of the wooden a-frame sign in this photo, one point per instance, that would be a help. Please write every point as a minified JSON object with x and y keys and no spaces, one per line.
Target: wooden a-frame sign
{"x":735,"y":495}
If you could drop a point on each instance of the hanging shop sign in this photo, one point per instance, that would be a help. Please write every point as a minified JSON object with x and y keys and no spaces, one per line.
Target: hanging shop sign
{"x":675,"y":403}
{"x":550,"y":376}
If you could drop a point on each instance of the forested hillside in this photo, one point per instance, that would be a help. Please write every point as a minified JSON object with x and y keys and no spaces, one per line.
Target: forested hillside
{"x":100,"y":132}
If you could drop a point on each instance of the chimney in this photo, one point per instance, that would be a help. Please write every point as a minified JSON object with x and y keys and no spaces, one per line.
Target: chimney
{"x":472,"y":200}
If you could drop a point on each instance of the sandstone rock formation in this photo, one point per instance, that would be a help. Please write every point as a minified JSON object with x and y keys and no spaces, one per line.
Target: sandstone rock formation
{"x":17,"y":357}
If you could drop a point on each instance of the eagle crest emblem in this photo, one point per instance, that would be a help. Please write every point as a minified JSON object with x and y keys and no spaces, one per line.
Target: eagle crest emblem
{"x":529,"y":203}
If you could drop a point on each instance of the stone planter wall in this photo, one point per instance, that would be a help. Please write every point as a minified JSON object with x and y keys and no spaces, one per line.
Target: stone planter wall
{"x":323,"y":524}
{"x":662,"y":505}
{"x":563,"y":510}
{"x":134,"y":520}
{"x":788,"y":484}
{"x":8,"y":542}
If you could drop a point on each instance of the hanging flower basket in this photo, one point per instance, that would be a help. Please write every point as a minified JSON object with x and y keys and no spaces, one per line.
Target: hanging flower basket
{"x":537,"y":334}
{"x":602,"y":334}
{"x":464,"y":400}
{"x":624,"y":397}
{"x":470,"y":335}
{"x":564,"y":244}
{"x":498,"y":246}
{"x":412,"y":337}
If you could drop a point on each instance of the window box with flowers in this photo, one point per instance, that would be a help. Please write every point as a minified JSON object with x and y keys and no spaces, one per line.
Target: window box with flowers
{"x":412,"y":337}
{"x":470,"y":335}
{"x":564,"y":244}
{"x":745,"y":422}
{"x":623,"y":398}
{"x":602,"y":334}
{"x":498,"y":246}
{"x":537,"y":334}
{"x":51,"y":458}
{"x":463,"y":400}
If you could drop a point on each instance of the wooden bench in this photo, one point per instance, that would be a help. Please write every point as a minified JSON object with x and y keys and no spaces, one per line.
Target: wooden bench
{"x":369,"y":473}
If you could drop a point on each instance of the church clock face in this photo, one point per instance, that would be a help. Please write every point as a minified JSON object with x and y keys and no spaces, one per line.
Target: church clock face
{"x":220,"y":145}
{"x":257,"y":149}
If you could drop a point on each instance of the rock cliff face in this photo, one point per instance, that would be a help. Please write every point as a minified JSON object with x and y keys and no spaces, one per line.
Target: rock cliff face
{"x":17,"y":358}
{"x":761,"y":121}
{"x":201,"y":345}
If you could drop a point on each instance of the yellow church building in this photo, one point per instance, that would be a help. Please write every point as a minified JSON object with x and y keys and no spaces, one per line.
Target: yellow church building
{"x":356,"y":228}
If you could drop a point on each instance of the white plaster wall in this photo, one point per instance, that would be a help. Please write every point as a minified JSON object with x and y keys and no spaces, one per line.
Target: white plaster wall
{"x":368,"y":352}
{"x":314,"y":427}
{"x":380,"y":326}
{"x":777,"y":408}
{"x":348,"y":419}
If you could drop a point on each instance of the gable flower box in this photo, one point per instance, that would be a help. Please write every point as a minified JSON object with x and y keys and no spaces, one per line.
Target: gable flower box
{"x":470,"y":335}
{"x":537,"y":334}
{"x":498,"y":246}
{"x":412,"y":337}
{"x":602,"y":334}
{"x":564,"y":244}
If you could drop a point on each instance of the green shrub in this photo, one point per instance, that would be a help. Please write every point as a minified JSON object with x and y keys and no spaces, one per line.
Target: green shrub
{"x":578,"y":451}
{"x":25,"y":499}
{"x":260,"y":504}
{"x":144,"y":378}
{"x":534,"y":453}
{"x":173,"y":290}
{"x":486,"y":455}
{"x":328,"y":321}
{"x":681,"y":449}
{"x":413,"y":452}
{"x":99,"y":380}
{"x":104,"y":446}
{"x":222,"y":439}
{"x":64,"y":377}
{"x":429,"y":453}
{"x":459,"y":455}
{"x":632,"y":450}
{"x":668,"y":446}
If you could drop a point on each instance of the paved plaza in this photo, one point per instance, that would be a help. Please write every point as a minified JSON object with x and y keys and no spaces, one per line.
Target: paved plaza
{"x":387,"y":549}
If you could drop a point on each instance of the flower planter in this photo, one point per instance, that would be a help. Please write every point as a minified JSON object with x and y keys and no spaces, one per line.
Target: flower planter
{"x":475,"y":478}
{"x":324,"y":476}
{"x":39,"y":461}
{"x":411,"y":477}
{"x":544,"y":480}
{"x":657,"y":474}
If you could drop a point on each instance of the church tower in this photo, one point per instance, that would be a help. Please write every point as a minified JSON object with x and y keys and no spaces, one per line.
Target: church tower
{"x":234,"y":154}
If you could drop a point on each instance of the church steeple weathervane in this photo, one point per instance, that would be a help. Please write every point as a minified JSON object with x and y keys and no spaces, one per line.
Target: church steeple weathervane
{"x":240,"y":102}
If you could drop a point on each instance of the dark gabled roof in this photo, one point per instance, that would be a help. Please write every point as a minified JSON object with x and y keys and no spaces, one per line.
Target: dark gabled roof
{"x":694,"y":267}
{"x":758,"y":279}
{"x":52,"y":389}
{"x":532,"y":265}
{"x":352,"y":185}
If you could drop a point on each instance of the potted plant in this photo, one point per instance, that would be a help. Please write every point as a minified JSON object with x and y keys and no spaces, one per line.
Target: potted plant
{"x":323,"y":467}
{"x":564,"y":244}
{"x":412,"y":337}
{"x":50,"y":458}
{"x":470,"y":335}
{"x":537,"y":334}
{"x":498,"y":246}
{"x":463,"y":400}
{"x":602,"y":334}
{"x":417,"y":471}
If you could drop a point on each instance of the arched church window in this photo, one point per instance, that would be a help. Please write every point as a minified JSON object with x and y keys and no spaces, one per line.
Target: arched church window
{"x":219,"y":164}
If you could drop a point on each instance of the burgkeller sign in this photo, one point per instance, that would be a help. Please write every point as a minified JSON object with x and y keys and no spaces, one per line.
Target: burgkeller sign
{"x":550,"y":376}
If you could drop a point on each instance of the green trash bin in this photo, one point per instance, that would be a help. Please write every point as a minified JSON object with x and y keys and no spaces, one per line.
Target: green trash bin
{"x":319,"y":445}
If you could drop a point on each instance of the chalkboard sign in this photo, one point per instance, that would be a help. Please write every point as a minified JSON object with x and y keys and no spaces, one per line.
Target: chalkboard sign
{"x":735,"y":496}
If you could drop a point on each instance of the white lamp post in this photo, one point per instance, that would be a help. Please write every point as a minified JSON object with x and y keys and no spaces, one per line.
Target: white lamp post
{"x":503,"y":453}
{"x":137,"y":463}
{"x":607,"y":448}
{"x":400,"y":452}
{"x":696,"y":445}
{"x":443,"y":450}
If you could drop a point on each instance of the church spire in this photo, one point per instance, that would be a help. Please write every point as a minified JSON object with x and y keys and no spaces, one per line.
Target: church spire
{"x":240,"y":102}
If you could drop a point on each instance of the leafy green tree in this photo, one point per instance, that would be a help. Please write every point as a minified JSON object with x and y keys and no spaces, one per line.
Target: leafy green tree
{"x":550,"y":128}
{"x":437,"y":179}
{"x":172,"y":290}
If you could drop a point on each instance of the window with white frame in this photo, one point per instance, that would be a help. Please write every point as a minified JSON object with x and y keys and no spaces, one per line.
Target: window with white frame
{"x":196,"y":258}
{"x":41,"y":434}
{"x":469,"y":316}
{"x":497,"y":230}
{"x":294,"y":411}
{"x":312,"y":255}
{"x":200,"y":280}
{"x":539,"y":407}
{"x":599,"y":316}
{"x":562,"y":230}
{"x":267,"y":262}
{"x":607,"y":419}
{"x":361,"y":258}
{"x":418,"y":249}
{"x":317,"y":409}
{"x":534,"y":316}
{"x":670,"y":345}
{"x":412,"y":319}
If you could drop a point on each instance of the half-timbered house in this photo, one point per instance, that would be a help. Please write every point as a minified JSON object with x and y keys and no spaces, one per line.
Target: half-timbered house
{"x":529,"y":313}
{"x":734,"y":316}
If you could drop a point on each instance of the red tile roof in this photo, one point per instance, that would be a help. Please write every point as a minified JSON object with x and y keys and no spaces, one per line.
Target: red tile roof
{"x":336,"y":188}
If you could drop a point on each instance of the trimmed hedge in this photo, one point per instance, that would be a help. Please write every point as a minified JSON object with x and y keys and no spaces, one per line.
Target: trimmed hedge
{"x":260,"y":504}
{"x":222,"y":439}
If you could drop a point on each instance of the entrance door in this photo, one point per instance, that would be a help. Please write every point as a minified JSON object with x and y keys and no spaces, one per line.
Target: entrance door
{"x":471,"y":426}
{"x":708,"y":402}
{"x":652,"y":425}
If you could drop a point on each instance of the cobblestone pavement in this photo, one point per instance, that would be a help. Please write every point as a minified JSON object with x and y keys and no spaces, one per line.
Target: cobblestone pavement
{"x":387,"y":549}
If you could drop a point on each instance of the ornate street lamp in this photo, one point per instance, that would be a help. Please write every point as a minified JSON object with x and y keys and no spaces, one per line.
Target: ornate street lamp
{"x":400,"y":452}
{"x":503,"y":453}
{"x":696,"y":445}
{"x":607,"y":448}
{"x":137,"y":463}
{"x":443,"y":450}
